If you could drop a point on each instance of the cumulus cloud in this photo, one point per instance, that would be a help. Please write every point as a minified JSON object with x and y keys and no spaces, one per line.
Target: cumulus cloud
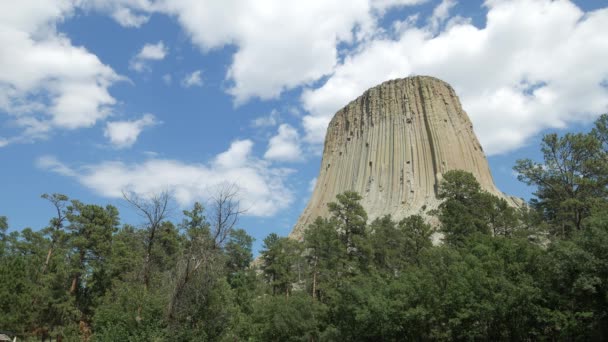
{"x":269,"y":120}
{"x":285,"y":145}
{"x":279,"y":45}
{"x":45,"y":81}
{"x":192,"y":79}
{"x":126,"y":17}
{"x":149,"y":52}
{"x":262,"y":188}
{"x":51,"y":163}
{"x":124,"y":133}
{"x":535,"y":65}
{"x":128,"y":13}
{"x":440,"y":14}
{"x":382,"y":5}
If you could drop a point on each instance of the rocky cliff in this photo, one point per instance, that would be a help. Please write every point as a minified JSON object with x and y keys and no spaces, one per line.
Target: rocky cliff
{"x":392,"y":145}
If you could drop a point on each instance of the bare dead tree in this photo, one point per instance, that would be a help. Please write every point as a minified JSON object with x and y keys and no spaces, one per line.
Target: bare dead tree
{"x":197,"y":268}
{"x":201,"y":260}
{"x":225,"y":211}
{"x":154,"y":209}
{"x":56,"y":225}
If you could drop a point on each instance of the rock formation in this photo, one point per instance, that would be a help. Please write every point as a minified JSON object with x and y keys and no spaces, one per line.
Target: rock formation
{"x":392,"y":145}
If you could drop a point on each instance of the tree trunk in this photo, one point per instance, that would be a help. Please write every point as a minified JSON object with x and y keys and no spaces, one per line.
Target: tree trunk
{"x":48,"y":258}
{"x":74,"y":285}
{"x":314,"y":285}
{"x":314,"y":281}
{"x":76,"y":278}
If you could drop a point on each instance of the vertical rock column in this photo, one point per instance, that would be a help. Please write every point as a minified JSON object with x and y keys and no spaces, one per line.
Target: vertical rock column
{"x":391,"y":145}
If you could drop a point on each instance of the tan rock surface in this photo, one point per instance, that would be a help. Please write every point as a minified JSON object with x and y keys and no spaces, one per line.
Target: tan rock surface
{"x":391,"y":145}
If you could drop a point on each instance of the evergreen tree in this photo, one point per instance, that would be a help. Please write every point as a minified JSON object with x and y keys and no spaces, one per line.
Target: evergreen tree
{"x":324,"y":254}
{"x":460,"y":213}
{"x":281,"y":264}
{"x":91,"y":228}
{"x":572,"y":180}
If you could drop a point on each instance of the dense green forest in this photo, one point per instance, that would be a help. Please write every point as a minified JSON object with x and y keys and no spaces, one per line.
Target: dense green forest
{"x":539,"y":272}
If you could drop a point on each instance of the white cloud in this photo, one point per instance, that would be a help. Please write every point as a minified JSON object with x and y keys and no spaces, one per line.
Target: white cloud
{"x":280,"y":44}
{"x":124,"y":133}
{"x":155,"y":52}
{"x":3,"y":142}
{"x":52,"y":164}
{"x":151,"y":154}
{"x":269,"y":120}
{"x":149,"y":52}
{"x":192,"y":79}
{"x":125,"y":17}
{"x":536,"y":65}
{"x":45,"y":81}
{"x":236,"y":156}
{"x":285,"y":145}
{"x":441,"y":14}
{"x":312,"y":184}
{"x":383,"y":5}
{"x":262,"y":189}
{"x":128,"y":13}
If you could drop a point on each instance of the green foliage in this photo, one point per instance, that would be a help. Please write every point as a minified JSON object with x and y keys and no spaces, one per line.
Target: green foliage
{"x":280,"y":262}
{"x":417,"y":236}
{"x":127,"y":313}
{"x":349,"y":218}
{"x":16,"y":290}
{"x":397,"y":245}
{"x":294,"y":318}
{"x":238,"y":250}
{"x":467,"y":210}
{"x":325,"y":255}
{"x":572,"y":179}
{"x":3,"y":227}
{"x":241,"y":278}
{"x":3,"y":235}
{"x":577,"y":283}
{"x":91,"y":228}
{"x":497,"y":277}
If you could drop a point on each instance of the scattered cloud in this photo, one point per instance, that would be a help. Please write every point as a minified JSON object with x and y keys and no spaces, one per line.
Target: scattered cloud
{"x":126,"y":17}
{"x":151,"y":154}
{"x":192,"y":79}
{"x":237,"y":155}
{"x":45,"y":81}
{"x":51,"y":163}
{"x":123,"y":134}
{"x":269,"y":120}
{"x":382,"y":5}
{"x":441,"y":13}
{"x":285,"y":145}
{"x":312,"y":184}
{"x":535,"y":65}
{"x":262,"y":188}
{"x":155,"y":52}
{"x":149,"y":52}
{"x":168,"y":79}
{"x":128,"y":13}
{"x":277,"y":47}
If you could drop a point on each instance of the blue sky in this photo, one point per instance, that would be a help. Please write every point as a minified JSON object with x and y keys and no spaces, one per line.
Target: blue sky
{"x":99,"y":96}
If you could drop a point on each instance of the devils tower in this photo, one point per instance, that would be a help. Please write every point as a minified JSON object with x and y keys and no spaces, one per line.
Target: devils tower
{"x":392,"y":145}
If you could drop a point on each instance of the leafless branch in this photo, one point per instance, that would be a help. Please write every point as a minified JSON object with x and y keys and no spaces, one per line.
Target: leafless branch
{"x":224,"y":212}
{"x":154,"y":210}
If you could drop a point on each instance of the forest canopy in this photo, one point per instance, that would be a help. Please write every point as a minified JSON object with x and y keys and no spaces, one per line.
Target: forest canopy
{"x":537,"y":272}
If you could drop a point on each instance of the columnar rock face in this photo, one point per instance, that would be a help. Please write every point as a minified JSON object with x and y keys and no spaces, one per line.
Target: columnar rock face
{"x":392,"y":145}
